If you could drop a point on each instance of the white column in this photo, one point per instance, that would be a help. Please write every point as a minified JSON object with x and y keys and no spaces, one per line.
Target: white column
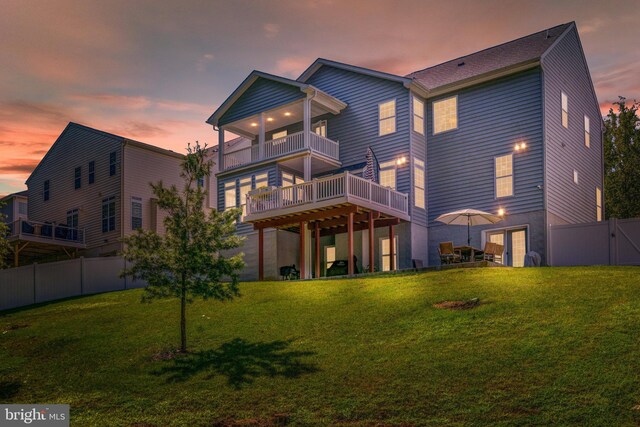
{"x":261,"y":136}
{"x":220,"y":149}
{"x":307,"y":135}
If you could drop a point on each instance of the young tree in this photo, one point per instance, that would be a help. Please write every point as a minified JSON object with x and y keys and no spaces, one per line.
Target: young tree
{"x":4,"y":244}
{"x":187,"y":261}
{"x":622,"y":161}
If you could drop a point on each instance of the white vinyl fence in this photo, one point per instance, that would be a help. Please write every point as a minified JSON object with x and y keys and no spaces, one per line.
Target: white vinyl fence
{"x":612,"y":242}
{"x":37,"y":283}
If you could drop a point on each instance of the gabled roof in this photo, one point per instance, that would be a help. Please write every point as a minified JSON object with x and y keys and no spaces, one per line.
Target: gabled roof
{"x":23,"y":193}
{"x":121,"y":139}
{"x":510,"y":55}
{"x":255,"y":75}
{"x":320,"y":62}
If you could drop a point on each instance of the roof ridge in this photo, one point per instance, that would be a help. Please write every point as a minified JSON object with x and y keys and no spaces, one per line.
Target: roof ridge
{"x":487,"y":48}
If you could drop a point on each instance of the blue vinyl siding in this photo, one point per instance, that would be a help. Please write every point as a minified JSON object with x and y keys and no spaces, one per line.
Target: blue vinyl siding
{"x":261,"y":96}
{"x":356,"y":127}
{"x":492,"y":118}
{"x":566,"y":71}
{"x":236,"y":177}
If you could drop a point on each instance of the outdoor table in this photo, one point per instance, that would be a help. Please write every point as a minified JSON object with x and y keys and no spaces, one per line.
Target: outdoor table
{"x":467,"y":253}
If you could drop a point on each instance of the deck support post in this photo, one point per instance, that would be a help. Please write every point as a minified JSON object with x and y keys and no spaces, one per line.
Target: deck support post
{"x":303,"y":245}
{"x":371,"y":228}
{"x":16,"y":255}
{"x":392,"y":249}
{"x":317,"y":245}
{"x":261,"y":254}
{"x":350,"y":243}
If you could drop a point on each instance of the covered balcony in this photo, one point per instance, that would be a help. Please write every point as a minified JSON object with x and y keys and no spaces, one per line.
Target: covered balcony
{"x":275,"y":118}
{"x":341,"y":203}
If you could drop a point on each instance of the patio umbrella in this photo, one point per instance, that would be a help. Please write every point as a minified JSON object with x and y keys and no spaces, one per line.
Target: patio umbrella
{"x":371,"y":169}
{"x":469,"y":217}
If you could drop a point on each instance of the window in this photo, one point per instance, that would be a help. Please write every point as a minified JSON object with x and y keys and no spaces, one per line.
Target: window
{"x":278,"y":135}
{"x":587,"y":132}
{"x":77,"y":176}
{"x":329,"y":256}
{"x":112,"y":163}
{"x":136,"y":213}
{"x":289,"y":179}
{"x":386,"y":253}
{"x":230,"y":195}
{"x":45,"y":193}
{"x":565,"y":110}
{"x":504,"y":176}
{"x":108,"y":214}
{"x":320,"y":128}
{"x":92,"y":172}
{"x":445,"y":114}
{"x":388,"y":174}
{"x":418,"y":183}
{"x":387,"y":117}
{"x":22,"y":208}
{"x":262,"y":180}
{"x":245,"y":187}
{"x":201,"y":182}
{"x":575,"y":176}
{"x":418,"y":115}
{"x":72,"y":218}
{"x":598,"y":204}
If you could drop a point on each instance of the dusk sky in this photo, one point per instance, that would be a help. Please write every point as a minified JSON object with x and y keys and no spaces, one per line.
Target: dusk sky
{"x":154,"y":72}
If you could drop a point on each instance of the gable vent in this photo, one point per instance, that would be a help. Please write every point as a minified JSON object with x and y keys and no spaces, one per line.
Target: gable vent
{"x":460,"y":64}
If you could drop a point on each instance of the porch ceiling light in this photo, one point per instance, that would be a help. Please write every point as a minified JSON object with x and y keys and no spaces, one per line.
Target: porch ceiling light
{"x":287,"y":114}
{"x":269,"y":119}
{"x":254,"y":124}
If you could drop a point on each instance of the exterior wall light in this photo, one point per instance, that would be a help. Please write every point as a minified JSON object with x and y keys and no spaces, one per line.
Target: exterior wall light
{"x":401,"y":161}
{"x":521,"y":146}
{"x":500,"y":212}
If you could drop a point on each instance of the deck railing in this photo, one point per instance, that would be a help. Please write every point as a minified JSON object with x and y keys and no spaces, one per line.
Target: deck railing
{"x":281,"y":147}
{"x":330,"y":187}
{"x":56,"y":233}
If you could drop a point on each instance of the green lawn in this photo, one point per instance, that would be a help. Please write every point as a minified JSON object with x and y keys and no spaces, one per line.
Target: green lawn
{"x":547,"y":345}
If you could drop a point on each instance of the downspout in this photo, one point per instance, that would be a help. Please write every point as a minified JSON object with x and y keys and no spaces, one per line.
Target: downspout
{"x":544,"y":171}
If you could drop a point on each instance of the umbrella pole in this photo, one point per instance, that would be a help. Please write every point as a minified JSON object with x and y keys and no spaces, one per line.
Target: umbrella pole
{"x":468,"y":230}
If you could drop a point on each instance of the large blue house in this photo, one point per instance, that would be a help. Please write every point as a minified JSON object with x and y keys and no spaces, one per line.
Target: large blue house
{"x":514,"y":129}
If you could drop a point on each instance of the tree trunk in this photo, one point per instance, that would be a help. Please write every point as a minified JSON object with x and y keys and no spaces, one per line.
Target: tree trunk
{"x":183,"y":317}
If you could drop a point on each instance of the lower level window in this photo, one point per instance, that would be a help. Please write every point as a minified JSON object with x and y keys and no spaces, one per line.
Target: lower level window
{"x":598,"y":204}
{"x":108,"y":214}
{"x":230,"y":195}
{"x":136,"y":213}
{"x":329,"y":256}
{"x":418,"y":186}
{"x":386,"y":253}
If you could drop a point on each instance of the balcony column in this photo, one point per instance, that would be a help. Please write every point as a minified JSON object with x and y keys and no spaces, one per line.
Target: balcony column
{"x":306,"y":123}
{"x":261,"y":132}
{"x":317,"y":249}
{"x":260,"y":254}
{"x":392,"y":249}
{"x":350,"y":266}
{"x":221,"y":149}
{"x":303,"y":246}
{"x":371,"y":245}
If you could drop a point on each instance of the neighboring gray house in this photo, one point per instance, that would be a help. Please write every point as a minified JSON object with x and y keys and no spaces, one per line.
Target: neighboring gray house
{"x":513,"y":129}
{"x":14,"y":206}
{"x":92,"y":188}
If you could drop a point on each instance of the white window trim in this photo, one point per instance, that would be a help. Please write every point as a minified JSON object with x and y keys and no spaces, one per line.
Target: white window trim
{"x":390,"y":165}
{"x":317,"y":125}
{"x":416,"y":166}
{"x":433,"y":111}
{"x":587,"y":130}
{"x":228,"y":186}
{"x":576,"y":177}
{"x":496,"y":177}
{"x":136,"y":200}
{"x":382,"y":255}
{"x":395,"y":116}
{"x":413,"y":114}
{"x":562,"y":110}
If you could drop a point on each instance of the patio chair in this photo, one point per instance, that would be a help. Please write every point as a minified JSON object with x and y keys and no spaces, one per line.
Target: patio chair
{"x":447,"y":254}
{"x":488,"y":254}
{"x":498,"y":254}
{"x":289,"y":272}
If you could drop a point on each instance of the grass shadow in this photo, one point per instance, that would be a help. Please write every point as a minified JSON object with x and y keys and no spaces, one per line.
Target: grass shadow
{"x":241,"y":362}
{"x":8,"y":389}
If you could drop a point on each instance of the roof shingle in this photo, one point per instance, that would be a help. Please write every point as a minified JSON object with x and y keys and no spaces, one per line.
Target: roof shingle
{"x":519,"y":51}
